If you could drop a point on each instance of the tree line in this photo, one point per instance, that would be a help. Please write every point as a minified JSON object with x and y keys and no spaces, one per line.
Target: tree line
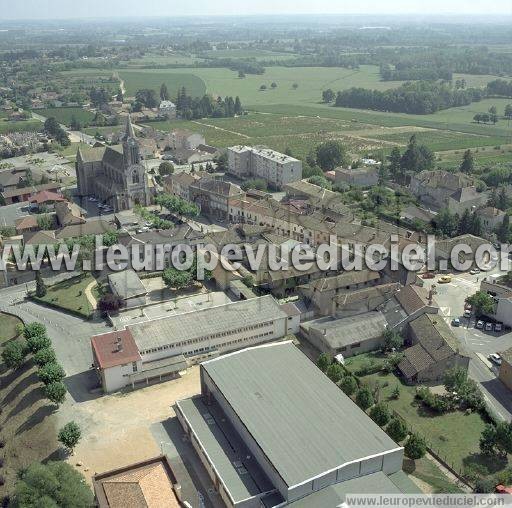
{"x":419,"y":97}
{"x":189,"y":107}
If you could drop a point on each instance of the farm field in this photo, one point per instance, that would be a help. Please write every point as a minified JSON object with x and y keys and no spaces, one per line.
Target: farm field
{"x":21,"y":126}
{"x":64,"y":115}
{"x":148,"y":78}
{"x":258,"y":54}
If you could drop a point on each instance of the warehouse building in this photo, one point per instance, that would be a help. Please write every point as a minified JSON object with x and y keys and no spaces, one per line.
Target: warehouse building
{"x":167,"y":345}
{"x":272,"y":430}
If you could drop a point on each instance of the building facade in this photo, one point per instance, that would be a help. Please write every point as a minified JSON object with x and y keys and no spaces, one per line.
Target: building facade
{"x":114,"y":175}
{"x":276,"y":168}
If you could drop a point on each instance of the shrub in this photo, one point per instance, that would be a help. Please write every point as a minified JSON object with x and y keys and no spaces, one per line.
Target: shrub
{"x":44,"y":356}
{"x":380,"y":414}
{"x":33,"y":329}
{"x":37,"y":342}
{"x":485,"y":486}
{"x":396,"y":430}
{"x":14,"y":354}
{"x":416,"y":447}
{"x":323,"y":361}
{"x":334,"y":372}
{"x":110,"y":303}
{"x":349,"y":385}
{"x":55,"y":392}
{"x":364,"y":398}
{"x":69,"y":435}
{"x":51,"y":373}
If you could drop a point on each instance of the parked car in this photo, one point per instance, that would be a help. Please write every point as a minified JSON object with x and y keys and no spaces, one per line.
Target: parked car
{"x":444,"y":279}
{"x":456,"y":322}
{"x":467,"y":313}
{"x":495,"y":358}
{"x":480,"y":324}
{"x":488,"y":327}
{"x":467,"y":306}
{"x":498,"y":327}
{"x":428,"y":275}
{"x":474,"y":271}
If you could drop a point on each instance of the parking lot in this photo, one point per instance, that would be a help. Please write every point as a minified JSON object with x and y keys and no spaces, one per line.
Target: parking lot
{"x":480,"y":343}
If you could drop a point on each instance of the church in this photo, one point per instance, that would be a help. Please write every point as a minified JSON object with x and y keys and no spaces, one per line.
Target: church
{"x":114,"y":174}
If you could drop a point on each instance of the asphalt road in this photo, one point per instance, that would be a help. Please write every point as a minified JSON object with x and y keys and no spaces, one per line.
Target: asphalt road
{"x":450,"y":298}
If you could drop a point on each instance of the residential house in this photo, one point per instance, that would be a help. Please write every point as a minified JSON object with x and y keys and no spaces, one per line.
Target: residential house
{"x":491,"y":218}
{"x":434,"y":350}
{"x":128,"y":287}
{"x":19,"y":194}
{"x":505,"y":370}
{"x":68,"y":214}
{"x":357,"y":177}
{"x":167,"y":109}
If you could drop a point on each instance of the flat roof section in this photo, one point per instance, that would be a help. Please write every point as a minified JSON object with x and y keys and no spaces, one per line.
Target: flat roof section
{"x":301,"y":420}
{"x":242,"y":476}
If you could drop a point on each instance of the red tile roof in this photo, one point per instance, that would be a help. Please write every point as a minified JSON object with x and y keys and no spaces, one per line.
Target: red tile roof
{"x":45,"y":196}
{"x":114,"y":348}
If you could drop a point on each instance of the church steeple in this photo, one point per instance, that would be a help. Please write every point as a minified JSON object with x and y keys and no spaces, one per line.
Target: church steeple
{"x":130,"y":145}
{"x":129,"y":132}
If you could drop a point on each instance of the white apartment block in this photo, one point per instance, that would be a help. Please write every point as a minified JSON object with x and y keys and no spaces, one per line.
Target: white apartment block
{"x":276,"y":168}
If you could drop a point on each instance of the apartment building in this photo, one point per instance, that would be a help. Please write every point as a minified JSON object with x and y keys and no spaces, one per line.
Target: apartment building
{"x":276,"y":168}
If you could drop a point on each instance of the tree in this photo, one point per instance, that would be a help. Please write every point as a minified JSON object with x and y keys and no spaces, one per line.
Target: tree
{"x":38,"y":342}
{"x":51,"y":485}
{"x":44,"y":356}
{"x":273,"y":85}
{"x":394,"y":159}
{"x":465,"y":223}
{"x":69,"y":435}
{"x":177,"y":279}
{"x":74,"y":124}
{"x":164,"y":92}
{"x":14,"y":354}
{"x":147,"y":98}
{"x":110,"y":303}
{"x":364,"y":398}
{"x":446,"y":222}
{"x":415,"y":447}
{"x":468,"y":164}
{"x":44,"y":221}
{"x":33,"y":329}
{"x":331,"y":154}
{"x":392,"y":340}
{"x":454,"y":379}
{"x":328,"y":96}
{"x":51,"y":373}
{"x":222,"y":162}
{"x":380,"y":414}
{"x":55,"y":392}
{"x":503,"y":230}
{"x":323,"y":361}
{"x":334,"y":372}
{"x":508,"y":112}
{"x":241,"y":74}
{"x":482,"y":303}
{"x":296,"y":85}
{"x":263,"y":87}
{"x":238,"y":106}
{"x":166,"y":168}
{"x":321,"y":181}
{"x":410,"y":160}
{"x":396,"y":430}
{"x":503,"y":200}
{"x":349,"y":385}
{"x":40,"y":285}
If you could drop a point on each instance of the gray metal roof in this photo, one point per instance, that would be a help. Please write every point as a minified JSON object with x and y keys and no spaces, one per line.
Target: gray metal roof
{"x":347,"y":331}
{"x":227,"y":452}
{"x":302,"y":422}
{"x":126,"y":284}
{"x":205,"y":322}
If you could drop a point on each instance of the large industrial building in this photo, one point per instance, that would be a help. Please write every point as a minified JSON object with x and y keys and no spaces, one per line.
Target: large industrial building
{"x":277,"y":169}
{"x":167,"y":345}
{"x":272,"y":430}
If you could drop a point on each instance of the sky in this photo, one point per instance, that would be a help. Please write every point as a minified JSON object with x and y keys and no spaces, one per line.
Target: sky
{"x":63,"y":9}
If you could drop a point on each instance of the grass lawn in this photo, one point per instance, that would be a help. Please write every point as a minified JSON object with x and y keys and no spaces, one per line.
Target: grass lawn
{"x":8,"y":326}
{"x":428,"y":472}
{"x":64,"y":115}
{"x":443,"y":432}
{"x":70,"y":295}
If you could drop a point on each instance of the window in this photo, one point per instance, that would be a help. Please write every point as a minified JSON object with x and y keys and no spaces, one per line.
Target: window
{"x":135,"y":177}
{"x":134,"y":366}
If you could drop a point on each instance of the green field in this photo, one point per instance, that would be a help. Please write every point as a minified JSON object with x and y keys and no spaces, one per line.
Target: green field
{"x":258,"y":54}
{"x":64,"y":115}
{"x":21,"y":126}
{"x":136,"y":80}
{"x":8,"y":327}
